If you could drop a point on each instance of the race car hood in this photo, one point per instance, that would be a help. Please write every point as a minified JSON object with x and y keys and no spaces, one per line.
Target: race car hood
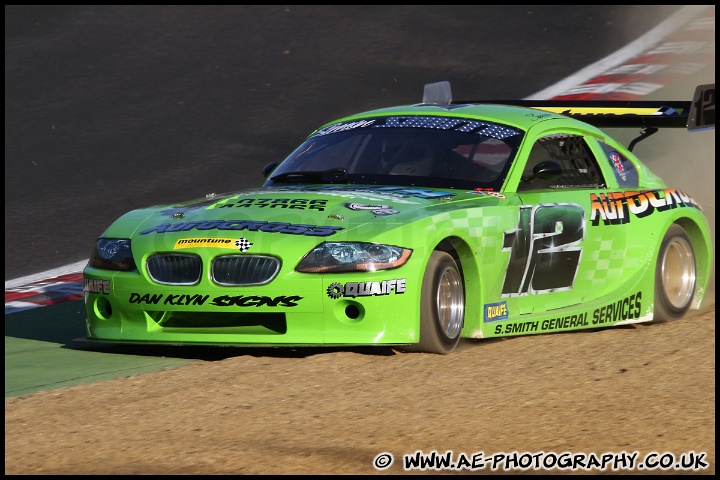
{"x":330,"y":211}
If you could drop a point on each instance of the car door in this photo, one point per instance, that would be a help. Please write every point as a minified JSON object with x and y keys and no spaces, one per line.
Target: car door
{"x":559,"y":253}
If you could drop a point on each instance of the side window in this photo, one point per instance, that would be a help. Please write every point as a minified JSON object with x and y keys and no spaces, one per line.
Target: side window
{"x":623,"y":168}
{"x":538,"y":154}
{"x":579,"y":166}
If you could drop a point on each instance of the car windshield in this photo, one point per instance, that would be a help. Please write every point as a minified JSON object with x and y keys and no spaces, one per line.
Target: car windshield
{"x":440,"y":152}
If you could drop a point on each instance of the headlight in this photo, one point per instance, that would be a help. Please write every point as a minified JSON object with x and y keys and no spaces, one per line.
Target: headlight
{"x":113,"y":254}
{"x":333,"y":257}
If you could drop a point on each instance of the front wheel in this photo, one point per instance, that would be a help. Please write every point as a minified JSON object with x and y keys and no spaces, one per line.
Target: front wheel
{"x":675,"y":275}
{"x":442,"y":306}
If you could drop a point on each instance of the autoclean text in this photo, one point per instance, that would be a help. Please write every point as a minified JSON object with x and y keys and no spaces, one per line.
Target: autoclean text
{"x":618,"y":207}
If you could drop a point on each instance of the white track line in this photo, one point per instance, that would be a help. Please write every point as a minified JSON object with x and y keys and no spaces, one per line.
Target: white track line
{"x":642,"y":44}
{"x":73,"y":268}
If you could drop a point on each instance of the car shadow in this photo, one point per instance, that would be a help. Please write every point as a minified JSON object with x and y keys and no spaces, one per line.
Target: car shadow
{"x":64,"y":324}
{"x":212,"y":353}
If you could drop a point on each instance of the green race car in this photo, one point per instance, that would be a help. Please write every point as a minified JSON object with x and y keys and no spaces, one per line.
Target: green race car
{"x":415,"y":226}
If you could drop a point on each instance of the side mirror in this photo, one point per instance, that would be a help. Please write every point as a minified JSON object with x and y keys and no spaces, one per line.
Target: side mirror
{"x":267,"y":169}
{"x":547,"y":170}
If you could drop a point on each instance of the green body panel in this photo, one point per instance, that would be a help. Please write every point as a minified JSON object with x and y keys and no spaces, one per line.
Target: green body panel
{"x":476,"y":223}
{"x":609,"y":242}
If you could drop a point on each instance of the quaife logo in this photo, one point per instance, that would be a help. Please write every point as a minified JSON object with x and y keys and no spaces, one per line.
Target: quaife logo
{"x":366,"y":289}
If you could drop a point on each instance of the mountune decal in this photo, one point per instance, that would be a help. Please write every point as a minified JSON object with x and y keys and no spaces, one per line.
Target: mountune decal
{"x":376,"y":209}
{"x":221,"y":301}
{"x":242,"y":244}
{"x":366,"y":289}
{"x":289,"y":203}
{"x":616,"y":208}
{"x":250,"y":225}
{"x":628,"y":308}
{"x":204,"y":242}
{"x":496,"y":311}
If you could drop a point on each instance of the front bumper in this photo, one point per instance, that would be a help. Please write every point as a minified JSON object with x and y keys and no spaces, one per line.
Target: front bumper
{"x":371,"y":308}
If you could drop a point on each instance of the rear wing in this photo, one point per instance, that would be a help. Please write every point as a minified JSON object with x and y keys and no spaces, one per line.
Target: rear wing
{"x":695,"y":115}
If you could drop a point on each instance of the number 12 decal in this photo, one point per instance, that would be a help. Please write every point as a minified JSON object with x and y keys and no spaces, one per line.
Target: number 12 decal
{"x":544,"y":249}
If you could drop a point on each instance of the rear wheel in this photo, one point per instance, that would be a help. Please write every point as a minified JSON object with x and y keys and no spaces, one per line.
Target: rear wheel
{"x":675,"y":275}
{"x":442,"y":306}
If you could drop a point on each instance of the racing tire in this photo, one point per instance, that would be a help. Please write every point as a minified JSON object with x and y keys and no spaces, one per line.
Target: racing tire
{"x":442,"y":306}
{"x":675,"y":275}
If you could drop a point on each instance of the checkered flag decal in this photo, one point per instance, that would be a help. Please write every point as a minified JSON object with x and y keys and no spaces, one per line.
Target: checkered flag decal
{"x":243,"y":244}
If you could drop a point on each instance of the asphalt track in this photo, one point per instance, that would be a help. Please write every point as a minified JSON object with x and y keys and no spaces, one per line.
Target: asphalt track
{"x":109,"y":108}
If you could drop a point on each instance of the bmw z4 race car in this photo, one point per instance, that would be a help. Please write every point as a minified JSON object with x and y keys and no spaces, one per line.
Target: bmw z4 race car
{"x":415,"y":226}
